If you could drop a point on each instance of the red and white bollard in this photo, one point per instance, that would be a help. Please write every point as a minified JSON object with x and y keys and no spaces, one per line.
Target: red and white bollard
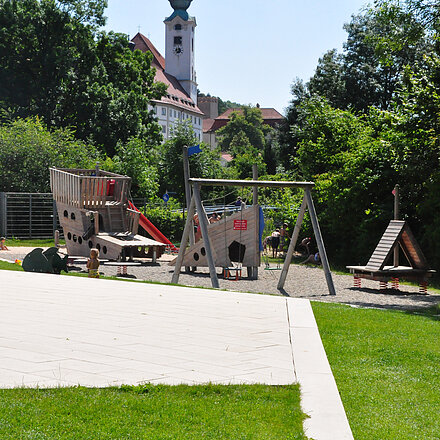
{"x":357,"y":282}
{"x":423,"y":288}
{"x":383,"y":285}
{"x":122,"y":271}
{"x":395,"y":283}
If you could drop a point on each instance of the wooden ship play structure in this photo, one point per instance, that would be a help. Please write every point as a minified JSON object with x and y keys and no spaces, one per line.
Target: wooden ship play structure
{"x":94,"y":212}
{"x":384,"y":264}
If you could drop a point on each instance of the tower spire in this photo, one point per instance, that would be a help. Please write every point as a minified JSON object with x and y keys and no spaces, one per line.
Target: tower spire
{"x":180,"y":7}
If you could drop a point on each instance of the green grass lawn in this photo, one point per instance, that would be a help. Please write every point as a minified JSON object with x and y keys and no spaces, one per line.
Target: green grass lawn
{"x":43,"y":242}
{"x":387,"y":367}
{"x":10,"y":266}
{"x":153,"y":412}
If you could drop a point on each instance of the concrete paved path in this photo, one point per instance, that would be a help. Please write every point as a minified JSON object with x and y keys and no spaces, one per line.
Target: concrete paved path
{"x":61,"y":331}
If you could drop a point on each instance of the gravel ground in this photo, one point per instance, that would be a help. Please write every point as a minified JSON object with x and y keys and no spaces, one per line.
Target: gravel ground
{"x":302,"y":282}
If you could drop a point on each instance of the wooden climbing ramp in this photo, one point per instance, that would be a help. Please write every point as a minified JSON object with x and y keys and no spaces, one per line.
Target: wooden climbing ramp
{"x":397,"y":235}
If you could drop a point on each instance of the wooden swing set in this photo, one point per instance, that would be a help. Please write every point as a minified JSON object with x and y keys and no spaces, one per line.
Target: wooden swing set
{"x":205,"y":246}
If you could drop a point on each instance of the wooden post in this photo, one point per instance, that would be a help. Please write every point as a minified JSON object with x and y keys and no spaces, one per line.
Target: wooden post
{"x":253,"y":271}
{"x":292,"y":244}
{"x":255,"y":188}
{"x":396,"y":217}
{"x":186,"y":175}
{"x":4,"y":215}
{"x":320,"y":242}
{"x":96,"y":220}
{"x":185,"y":236}
{"x":203,"y":220}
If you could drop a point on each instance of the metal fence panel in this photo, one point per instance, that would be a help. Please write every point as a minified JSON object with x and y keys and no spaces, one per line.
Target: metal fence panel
{"x":28,"y":215}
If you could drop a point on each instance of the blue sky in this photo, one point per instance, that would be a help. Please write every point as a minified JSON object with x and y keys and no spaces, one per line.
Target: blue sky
{"x":248,"y":51}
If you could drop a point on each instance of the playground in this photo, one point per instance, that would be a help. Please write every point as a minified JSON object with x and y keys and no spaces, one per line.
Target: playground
{"x":143,"y":333}
{"x":303,"y":281}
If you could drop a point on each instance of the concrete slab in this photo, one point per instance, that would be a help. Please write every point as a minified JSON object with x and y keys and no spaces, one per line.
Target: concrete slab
{"x":62,"y":331}
{"x":320,"y":398}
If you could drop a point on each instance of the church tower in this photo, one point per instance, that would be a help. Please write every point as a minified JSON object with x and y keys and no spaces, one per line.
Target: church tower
{"x":179,"y":46}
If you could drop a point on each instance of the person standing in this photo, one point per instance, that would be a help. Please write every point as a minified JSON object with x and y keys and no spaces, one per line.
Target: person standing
{"x":275,"y":242}
{"x":283,"y":236}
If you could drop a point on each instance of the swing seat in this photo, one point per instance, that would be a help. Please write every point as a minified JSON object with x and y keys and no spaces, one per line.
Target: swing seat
{"x":228,"y":273}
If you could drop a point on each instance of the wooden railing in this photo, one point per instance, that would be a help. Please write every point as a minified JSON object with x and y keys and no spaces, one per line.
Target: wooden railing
{"x":82,"y":189}
{"x":133,"y":221}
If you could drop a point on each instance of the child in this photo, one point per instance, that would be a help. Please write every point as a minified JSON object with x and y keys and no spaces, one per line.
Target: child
{"x":214,"y":218}
{"x":305,"y":244}
{"x":314,"y":259}
{"x":93,"y":263}
{"x":283,"y":235}
{"x":2,"y":244}
{"x":275,"y":242}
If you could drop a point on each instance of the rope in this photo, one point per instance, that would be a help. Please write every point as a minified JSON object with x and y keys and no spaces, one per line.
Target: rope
{"x":240,"y":263}
{"x":224,"y":219}
{"x":221,"y":197}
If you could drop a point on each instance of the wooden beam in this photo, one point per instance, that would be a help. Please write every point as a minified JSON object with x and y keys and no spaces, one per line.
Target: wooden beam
{"x":203,"y":220}
{"x":185,"y":236}
{"x":254,"y":183}
{"x":320,"y":242}
{"x":292,"y":244}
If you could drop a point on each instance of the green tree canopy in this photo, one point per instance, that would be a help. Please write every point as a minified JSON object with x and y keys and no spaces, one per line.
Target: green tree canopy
{"x":57,"y":66}
{"x":205,"y":164}
{"x":28,"y":149}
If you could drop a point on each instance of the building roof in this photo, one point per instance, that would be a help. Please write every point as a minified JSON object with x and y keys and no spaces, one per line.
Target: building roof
{"x":176,"y":94}
{"x":145,"y":45}
{"x":270,"y":117}
{"x":207,"y":124}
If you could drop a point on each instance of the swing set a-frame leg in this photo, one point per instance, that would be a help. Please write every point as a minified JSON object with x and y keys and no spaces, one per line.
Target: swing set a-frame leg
{"x":307,"y":203}
{"x":185,"y":237}
{"x":292,"y":244}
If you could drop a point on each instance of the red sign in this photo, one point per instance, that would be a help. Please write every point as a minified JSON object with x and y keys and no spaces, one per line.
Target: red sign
{"x":240,"y":225}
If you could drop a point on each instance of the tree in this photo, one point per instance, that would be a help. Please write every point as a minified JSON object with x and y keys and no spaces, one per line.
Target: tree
{"x":380,"y":43}
{"x":205,"y":164}
{"x":135,"y":159}
{"x":246,"y":123}
{"x":328,"y":80}
{"x":28,"y":149}
{"x":57,"y":66}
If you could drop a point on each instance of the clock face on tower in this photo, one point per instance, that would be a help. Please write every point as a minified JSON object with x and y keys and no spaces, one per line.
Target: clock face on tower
{"x":178,"y":50}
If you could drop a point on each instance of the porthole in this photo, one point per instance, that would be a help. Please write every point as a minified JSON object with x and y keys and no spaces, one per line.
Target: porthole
{"x":69,"y":236}
{"x":98,"y":246}
{"x":104,"y":249}
{"x":66,"y":214}
{"x":75,"y":238}
{"x":196,"y":256}
{"x":72,"y":216}
{"x":203,"y":251}
{"x":90,"y":244}
{"x":80,"y":240}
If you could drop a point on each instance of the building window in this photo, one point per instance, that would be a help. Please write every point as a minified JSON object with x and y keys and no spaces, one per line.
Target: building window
{"x":177,"y":40}
{"x":164,"y":129}
{"x":175,"y":114}
{"x":191,"y":118}
{"x":178,"y":27}
{"x":192,"y":44}
{"x":178,"y":115}
{"x":164,"y":111}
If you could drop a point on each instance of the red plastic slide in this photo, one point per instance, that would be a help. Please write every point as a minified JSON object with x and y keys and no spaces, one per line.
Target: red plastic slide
{"x":151,"y":229}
